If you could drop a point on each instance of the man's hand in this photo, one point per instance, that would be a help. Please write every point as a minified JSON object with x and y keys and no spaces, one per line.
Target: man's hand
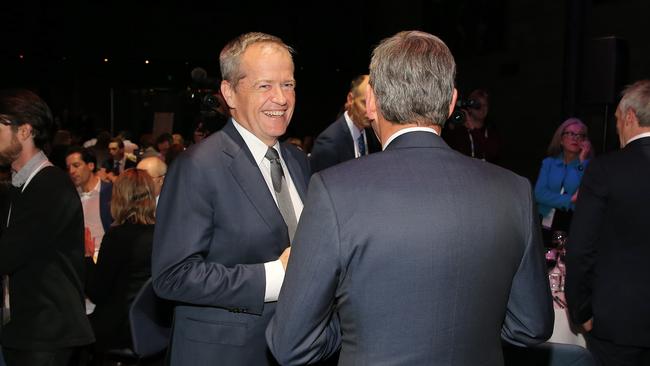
{"x":585,"y":149}
{"x":588,"y":325}
{"x":284,"y":257}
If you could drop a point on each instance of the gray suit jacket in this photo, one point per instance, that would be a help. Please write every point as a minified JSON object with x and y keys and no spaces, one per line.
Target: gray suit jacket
{"x":217,"y":223}
{"x":441,"y":262}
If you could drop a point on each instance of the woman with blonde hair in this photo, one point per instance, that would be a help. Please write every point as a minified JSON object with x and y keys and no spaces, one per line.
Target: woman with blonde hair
{"x":557,"y":185}
{"x":124,"y":261}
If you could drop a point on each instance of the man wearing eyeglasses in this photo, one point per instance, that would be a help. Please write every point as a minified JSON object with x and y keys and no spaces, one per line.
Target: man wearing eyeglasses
{"x":157,"y":169}
{"x":42,"y":244}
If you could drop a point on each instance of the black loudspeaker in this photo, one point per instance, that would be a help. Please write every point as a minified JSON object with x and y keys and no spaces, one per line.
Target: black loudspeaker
{"x":604,"y":71}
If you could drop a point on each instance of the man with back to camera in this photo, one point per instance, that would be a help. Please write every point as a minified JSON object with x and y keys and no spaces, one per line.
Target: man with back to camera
{"x":607,"y":272}
{"x":228,"y":211}
{"x":433,"y":269}
{"x":350,"y":136}
{"x":42,"y":244}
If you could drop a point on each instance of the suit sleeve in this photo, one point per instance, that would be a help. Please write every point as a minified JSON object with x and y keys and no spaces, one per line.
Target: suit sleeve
{"x":323,"y":154}
{"x":529,"y":313}
{"x":581,"y":248}
{"x":182,"y":240}
{"x":543,"y":192}
{"x":305,"y":328}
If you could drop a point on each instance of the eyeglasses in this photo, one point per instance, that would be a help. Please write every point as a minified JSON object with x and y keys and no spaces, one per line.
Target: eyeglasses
{"x":5,"y":120}
{"x":573,"y":135}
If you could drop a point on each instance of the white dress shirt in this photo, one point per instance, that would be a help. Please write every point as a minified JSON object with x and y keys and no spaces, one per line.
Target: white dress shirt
{"x":356,"y":132}
{"x":92,"y":215}
{"x":274,"y":270}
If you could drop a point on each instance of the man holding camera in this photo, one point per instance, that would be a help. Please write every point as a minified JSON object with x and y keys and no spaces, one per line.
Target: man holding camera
{"x":474,"y":138}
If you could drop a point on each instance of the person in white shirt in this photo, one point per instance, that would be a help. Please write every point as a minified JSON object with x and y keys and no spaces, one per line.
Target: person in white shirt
{"x":94,"y":193}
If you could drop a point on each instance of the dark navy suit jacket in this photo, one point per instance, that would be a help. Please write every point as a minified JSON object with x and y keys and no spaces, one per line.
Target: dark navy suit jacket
{"x":335,"y":145}
{"x":609,"y":248}
{"x":216,"y":225}
{"x":433,"y":269}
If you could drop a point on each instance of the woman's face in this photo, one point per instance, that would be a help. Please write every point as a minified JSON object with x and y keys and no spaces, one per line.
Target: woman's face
{"x":572,"y":138}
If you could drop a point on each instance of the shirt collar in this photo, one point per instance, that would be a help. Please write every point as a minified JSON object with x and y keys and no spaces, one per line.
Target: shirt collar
{"x":639,"y":136}
{"x":257,"y":148}
{"x":354,"y":130}
{"x":20,"y":177}
{"x":407,"y":130}
{"x":92,"y":191}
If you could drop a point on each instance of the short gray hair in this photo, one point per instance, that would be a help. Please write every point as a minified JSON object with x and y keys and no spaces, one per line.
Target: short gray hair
{"x":637,"y":97}
{"x":230,"y":56}
{"x":412,"y":75}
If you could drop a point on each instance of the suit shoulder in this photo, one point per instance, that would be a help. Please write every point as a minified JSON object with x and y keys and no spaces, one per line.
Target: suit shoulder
{"x":294,"y":151}
{"x":208,"y":148}
{"x":335,"y":130}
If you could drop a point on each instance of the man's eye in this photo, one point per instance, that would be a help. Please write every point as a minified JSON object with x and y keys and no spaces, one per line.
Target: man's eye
{"x":289,"y":85}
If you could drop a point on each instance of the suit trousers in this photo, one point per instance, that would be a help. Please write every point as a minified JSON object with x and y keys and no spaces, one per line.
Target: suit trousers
{"x":607,"y":353}
{"x":59,"y":357}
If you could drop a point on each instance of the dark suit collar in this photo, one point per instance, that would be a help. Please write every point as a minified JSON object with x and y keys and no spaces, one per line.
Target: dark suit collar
{"x":246,"y":172}
{"x":643,"y":141}
{"x":417,"y":139}
{"x":288,"y":157}
{"x":294,"y":169}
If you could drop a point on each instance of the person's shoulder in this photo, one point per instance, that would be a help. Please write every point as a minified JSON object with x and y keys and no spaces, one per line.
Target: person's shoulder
{"x":52,"y":174}
{"x":294,"y":151}
{"x":53,"y":182}
{"x":207,"y":148}
{"x":335,"y":129}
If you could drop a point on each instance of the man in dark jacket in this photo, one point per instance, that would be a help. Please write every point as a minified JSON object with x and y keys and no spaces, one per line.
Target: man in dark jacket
{"x":42,"y":245}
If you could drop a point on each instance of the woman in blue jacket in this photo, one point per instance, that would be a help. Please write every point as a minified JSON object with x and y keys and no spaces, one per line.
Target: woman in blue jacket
{"x":557,"y":185}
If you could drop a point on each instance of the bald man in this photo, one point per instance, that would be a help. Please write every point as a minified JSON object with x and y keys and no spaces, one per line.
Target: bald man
{"x":157,"y":169}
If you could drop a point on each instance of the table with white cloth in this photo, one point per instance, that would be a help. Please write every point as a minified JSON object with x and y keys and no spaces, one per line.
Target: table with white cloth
{"x":563,"y":329}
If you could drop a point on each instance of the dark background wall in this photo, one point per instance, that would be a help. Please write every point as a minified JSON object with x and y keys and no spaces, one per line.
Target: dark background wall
{"x":536,"y":58}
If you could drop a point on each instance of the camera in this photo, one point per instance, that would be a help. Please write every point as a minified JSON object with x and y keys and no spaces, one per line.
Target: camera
{"x":458,"y":116}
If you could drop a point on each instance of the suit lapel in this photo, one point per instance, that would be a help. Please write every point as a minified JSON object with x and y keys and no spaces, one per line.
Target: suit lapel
{"x":297,"y":175}
{"x":247,"y":174}
{"x":344,"y":130}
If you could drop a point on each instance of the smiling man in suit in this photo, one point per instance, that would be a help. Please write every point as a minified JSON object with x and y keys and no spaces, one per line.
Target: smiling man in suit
{"x":433,"y":269}
{"x":608,"y":250}
{"x":228,"y":211}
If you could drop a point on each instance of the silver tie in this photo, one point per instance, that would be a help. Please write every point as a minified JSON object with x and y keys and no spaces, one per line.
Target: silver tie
{"x":282,"y":191}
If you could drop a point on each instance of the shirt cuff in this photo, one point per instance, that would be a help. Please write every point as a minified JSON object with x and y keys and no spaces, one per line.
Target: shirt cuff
{"x":274,"y":278}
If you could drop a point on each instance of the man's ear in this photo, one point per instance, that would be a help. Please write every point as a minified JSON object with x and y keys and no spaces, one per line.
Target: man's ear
{"x":25,"y":131}
{"x":630,"y":118}
{"x":227,"y":91}
{"x":371,"y":104}
{"x":454,"y":98}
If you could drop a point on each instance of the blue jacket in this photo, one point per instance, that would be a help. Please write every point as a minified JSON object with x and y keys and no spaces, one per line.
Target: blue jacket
{"x":552,"y":176}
